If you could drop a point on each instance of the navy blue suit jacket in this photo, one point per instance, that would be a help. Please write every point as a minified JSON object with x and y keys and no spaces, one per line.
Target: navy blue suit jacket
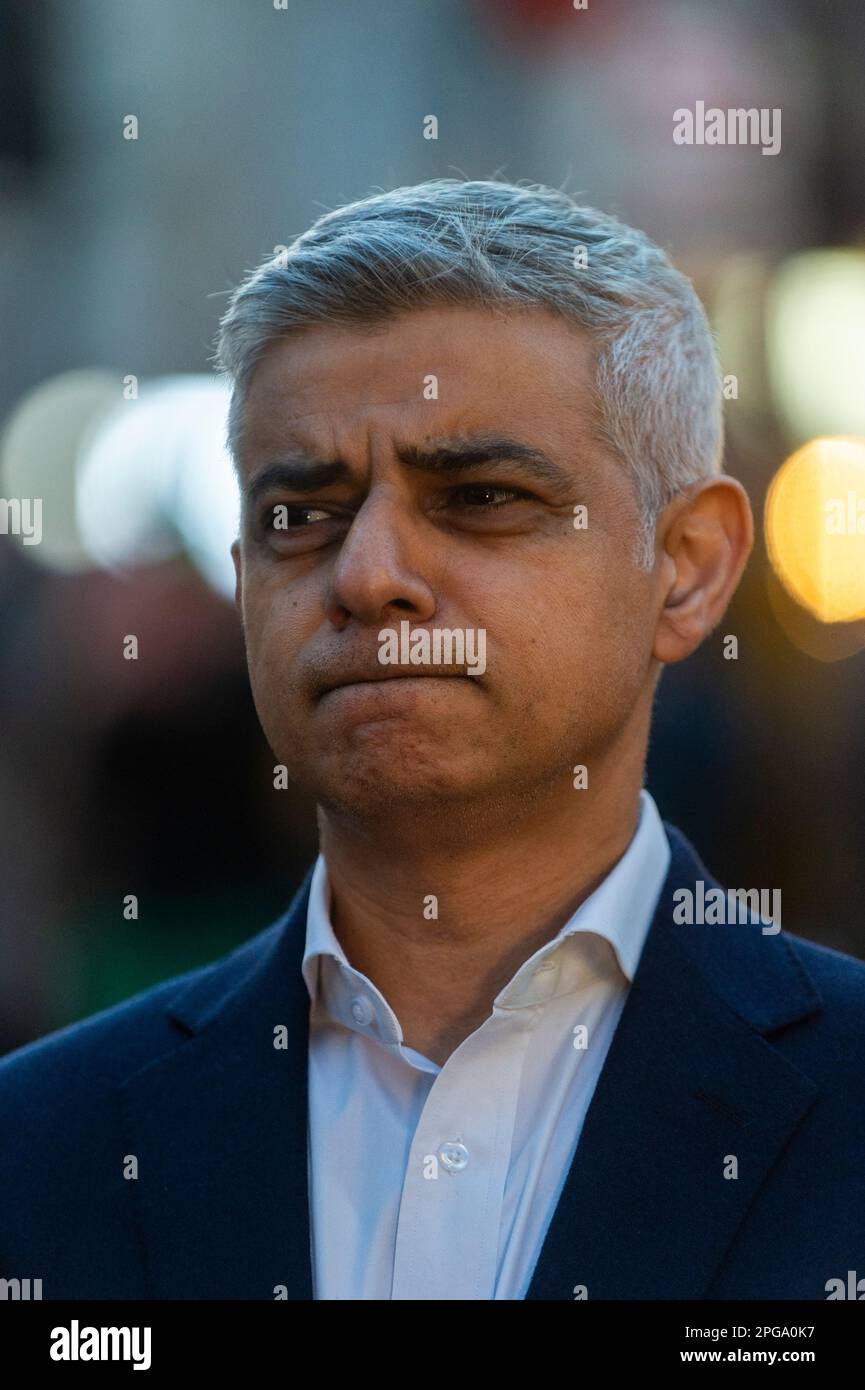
{"x":731,"y":1042}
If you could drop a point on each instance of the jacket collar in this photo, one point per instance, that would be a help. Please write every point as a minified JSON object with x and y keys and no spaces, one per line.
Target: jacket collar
{"x":219,"y":1124}
{"x":690,"y":1082}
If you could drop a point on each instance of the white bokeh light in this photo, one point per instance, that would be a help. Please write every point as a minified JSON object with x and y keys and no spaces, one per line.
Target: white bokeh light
{"x":155,"y":478}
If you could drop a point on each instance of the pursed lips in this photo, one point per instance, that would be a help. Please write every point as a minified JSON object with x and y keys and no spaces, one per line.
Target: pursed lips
{"x":391,"y":673}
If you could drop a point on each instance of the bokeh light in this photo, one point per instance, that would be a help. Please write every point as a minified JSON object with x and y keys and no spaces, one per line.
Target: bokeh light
{"x":155,"y":478}
{"x":39,"y":454}
{"x":815,"y":337}
{"x":815,"y":528}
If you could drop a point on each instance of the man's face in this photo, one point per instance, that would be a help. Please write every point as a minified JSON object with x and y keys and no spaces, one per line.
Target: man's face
{"x":401,"y":507}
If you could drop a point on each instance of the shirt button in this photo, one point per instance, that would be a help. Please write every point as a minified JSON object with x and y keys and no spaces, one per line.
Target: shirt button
{"x":361,"y":1011}
{"x":454,"y":1156}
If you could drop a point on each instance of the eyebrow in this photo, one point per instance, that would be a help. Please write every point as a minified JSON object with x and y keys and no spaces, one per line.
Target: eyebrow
{"x":300,"y":473}
{"x":457,"y":455}
{"x":306,"y":473}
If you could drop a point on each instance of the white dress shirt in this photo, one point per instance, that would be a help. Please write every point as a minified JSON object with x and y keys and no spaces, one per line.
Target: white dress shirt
{"x":439,"y":1182}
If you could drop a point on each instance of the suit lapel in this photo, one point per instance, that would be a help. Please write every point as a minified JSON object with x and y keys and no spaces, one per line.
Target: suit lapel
{"x":219,"y":1127}
{"x":646,"y":1211}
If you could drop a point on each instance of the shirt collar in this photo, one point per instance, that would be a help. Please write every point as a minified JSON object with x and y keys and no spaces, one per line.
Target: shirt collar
{"x":619,"y":912}
{"x":622,"y":906}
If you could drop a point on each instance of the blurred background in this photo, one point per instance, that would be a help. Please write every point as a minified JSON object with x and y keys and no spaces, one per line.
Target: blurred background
{"x":150,"y":154}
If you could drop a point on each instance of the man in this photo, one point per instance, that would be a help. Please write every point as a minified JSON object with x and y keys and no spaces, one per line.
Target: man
{"x":484,"y":1055}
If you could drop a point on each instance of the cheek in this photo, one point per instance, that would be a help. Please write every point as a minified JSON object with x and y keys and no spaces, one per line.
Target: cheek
{"x":580,"y":632}
{"x":277,"y":622}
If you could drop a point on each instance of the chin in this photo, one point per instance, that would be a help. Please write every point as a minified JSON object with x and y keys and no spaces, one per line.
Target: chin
{"x":385,"y":775}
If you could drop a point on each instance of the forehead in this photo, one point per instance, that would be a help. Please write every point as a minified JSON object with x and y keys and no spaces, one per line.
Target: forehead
{"x":457,"y":367}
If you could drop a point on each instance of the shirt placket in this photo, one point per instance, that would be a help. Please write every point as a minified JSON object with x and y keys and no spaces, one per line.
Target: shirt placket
{"x":451,"y":1201}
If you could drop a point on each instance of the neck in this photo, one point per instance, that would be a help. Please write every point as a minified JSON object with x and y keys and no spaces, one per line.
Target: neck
{"x":441,"y":924}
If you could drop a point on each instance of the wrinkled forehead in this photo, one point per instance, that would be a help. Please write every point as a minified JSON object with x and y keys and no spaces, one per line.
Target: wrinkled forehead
{"x":432,"y":371}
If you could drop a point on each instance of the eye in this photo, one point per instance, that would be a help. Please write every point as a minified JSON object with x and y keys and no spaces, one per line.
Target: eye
{"x":486,"y":496}
{"x":296,"y":528}
{"x":284,"y":516}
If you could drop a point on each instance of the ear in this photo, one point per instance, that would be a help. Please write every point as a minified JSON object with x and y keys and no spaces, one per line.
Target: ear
{"x":238,"y":576}
{"x":705,"y":539}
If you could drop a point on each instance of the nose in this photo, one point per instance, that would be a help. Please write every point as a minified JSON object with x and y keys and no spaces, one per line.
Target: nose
{"x":382,"y":565}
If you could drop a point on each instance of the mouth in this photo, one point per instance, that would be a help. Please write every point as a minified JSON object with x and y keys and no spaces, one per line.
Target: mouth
{"x":393,"y":678}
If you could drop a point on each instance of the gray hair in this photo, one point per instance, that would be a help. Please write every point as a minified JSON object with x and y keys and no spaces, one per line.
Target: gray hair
{"x":494,"y":244}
